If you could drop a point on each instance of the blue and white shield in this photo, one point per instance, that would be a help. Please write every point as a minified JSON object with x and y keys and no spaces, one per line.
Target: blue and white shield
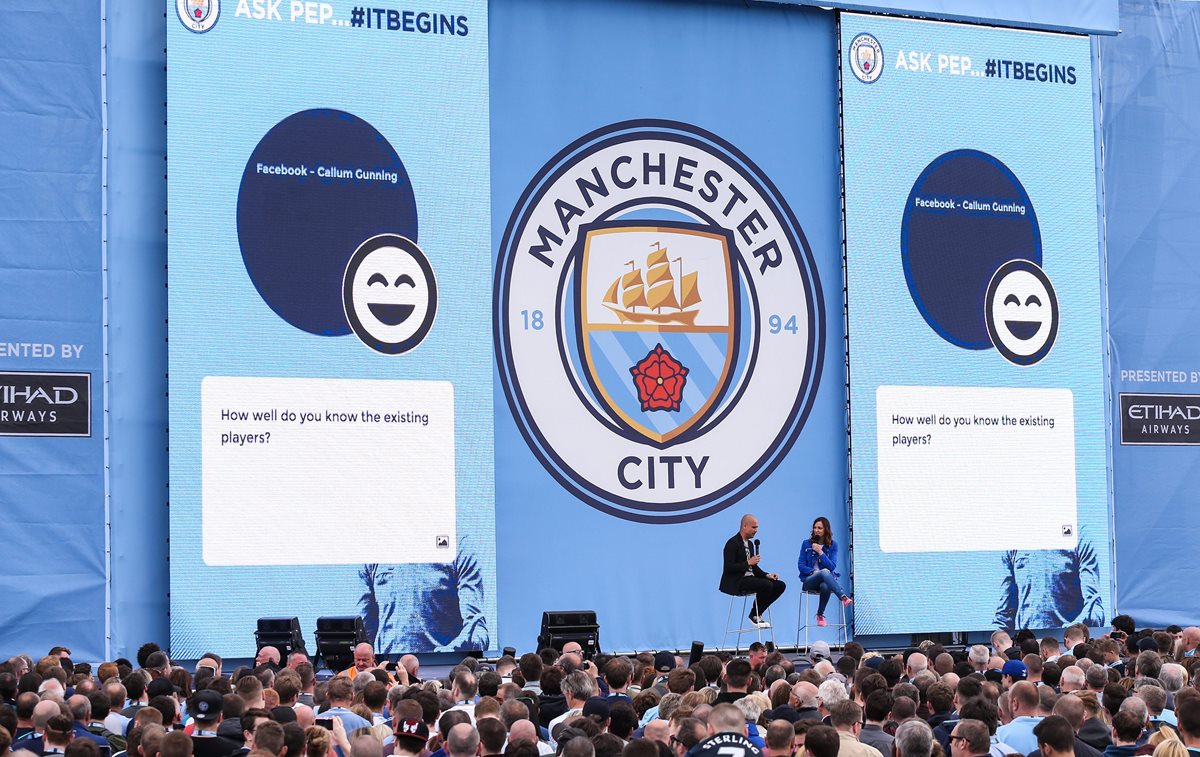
{"x":198,"y":10}
{"x":866,"y":58}
{"x":657,"y":306}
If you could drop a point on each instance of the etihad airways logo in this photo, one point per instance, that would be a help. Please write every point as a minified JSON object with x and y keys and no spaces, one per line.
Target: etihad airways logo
{"x":45,"y":404}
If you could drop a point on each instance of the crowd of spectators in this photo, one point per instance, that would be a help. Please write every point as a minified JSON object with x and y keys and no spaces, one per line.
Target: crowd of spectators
{"x":1121,"y":694}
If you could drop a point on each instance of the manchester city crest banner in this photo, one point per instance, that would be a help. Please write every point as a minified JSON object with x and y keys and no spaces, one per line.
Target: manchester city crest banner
{"x":330,"y":329}
{"x":666,"y":305}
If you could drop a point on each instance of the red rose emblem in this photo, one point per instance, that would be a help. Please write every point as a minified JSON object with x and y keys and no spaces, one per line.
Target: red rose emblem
{"x":659,"y":379}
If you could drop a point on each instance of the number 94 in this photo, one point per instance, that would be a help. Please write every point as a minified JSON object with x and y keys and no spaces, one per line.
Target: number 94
{"x":777,"y":324}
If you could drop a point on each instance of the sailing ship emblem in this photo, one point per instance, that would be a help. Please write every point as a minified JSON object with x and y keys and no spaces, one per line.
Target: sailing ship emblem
{"x":657,"y":305}
{"x":866,"y":58}
{"x":657,"y":290}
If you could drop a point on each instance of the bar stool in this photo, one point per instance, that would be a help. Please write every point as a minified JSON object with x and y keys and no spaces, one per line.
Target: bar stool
{"x":802,"y":623}
{"x":738,"y":631}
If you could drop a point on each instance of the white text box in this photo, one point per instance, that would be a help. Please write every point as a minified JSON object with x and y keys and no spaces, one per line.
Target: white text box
{"x":956,"y":464}
{"x":327,"y":471}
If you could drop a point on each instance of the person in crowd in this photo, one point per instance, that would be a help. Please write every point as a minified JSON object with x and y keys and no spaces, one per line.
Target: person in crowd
{"x":875,"y":713}
{"x":970,"y":738}
{"x":1127,"y":729}
{"x":914,"y":738}
{"x":56,"y":735}
{"x":847,"y":718}
{"x":1024,"y":702}
{"x":1055,"y":737}
{"x":817,"y":566}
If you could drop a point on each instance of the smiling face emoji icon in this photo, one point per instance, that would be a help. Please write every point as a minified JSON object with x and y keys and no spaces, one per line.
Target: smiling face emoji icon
{"x":390,"y":294}
{"x":1021,"y":311}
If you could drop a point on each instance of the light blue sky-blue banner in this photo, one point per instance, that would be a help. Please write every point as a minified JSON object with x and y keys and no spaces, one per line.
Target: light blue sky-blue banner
{"x":975,"y":330}
{"x":330,"y":329}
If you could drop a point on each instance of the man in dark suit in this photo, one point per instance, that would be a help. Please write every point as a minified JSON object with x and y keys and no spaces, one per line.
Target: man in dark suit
{"x":741,"y":574}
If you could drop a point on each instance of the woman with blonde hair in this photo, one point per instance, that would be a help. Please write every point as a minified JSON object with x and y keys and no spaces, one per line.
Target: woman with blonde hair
{"x":1171,"y":748}
{"x":1164,"y":733}
{"x":318,"y":742}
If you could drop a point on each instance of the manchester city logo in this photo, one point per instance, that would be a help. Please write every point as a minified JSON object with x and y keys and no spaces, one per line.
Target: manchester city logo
{"x":659,"y":326}
{"x":866,"y":58}
{"x":198,"y":15}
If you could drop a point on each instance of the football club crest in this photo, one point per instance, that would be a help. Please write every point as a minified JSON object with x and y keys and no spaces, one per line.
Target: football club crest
{"x":657,"y":308}
{"x":198,"y":15}
{"x":659,"y":321}
{"x":866,"y":58}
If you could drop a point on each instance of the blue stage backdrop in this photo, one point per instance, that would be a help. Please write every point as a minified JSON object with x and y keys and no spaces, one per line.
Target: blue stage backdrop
{"x":330,"y":327}
{"x":51,"y":349}
{"x":1086,"y":16}
{"x":1151,"y":173}
{"x":976,"y":340}
{"x":667,"y":306}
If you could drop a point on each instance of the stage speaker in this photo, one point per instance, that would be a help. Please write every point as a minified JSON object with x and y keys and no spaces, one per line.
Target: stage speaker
{"x":281,"y":633}
{"x":336,"y":639}
{"x":562,"y":626}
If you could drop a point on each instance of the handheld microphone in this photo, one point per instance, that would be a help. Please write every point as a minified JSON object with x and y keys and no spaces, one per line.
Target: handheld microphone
{"x":756,"y":546}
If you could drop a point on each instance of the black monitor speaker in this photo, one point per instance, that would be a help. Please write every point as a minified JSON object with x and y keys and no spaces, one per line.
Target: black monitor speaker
{"x":336,"y":639}
{"x":281,"y":633}
{"x":562,"y":626}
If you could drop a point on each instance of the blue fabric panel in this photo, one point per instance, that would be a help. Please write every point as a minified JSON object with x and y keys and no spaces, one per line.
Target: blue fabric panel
{"x":137,"y":257}
{"x":763,"y":78}
{"x":1086,"y":16}
{"x":1149,"y":79}
{"x":52,"y":489}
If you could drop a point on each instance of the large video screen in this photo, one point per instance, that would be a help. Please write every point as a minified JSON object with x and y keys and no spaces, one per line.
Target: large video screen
{"x":330,"y":329}
{"x":977,"y":370}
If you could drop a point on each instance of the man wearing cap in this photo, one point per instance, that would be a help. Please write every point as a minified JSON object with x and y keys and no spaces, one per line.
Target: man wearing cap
{"x":741,"y":574}
{"x":818,"y":651}
{"x":1024,"y":702}
{"x":411,"y":736}
{"x":598,"y":710}
{"x":1012,"y":672}
{"x":205,"y":708}
{"x":664,"y":663}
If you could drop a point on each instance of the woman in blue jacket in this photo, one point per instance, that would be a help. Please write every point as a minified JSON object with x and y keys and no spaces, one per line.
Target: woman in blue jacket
{"x":818,"y":566}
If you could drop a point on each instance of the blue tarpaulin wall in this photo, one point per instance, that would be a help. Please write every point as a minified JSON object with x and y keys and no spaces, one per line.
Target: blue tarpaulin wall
{"x":52,"y":251}
{"x":1149,"y":76}
{"x":52,"y":488}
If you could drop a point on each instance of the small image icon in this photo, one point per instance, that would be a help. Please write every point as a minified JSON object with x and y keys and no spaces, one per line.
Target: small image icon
{"x":443,"y":542}
{"x":1068,"y":530}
